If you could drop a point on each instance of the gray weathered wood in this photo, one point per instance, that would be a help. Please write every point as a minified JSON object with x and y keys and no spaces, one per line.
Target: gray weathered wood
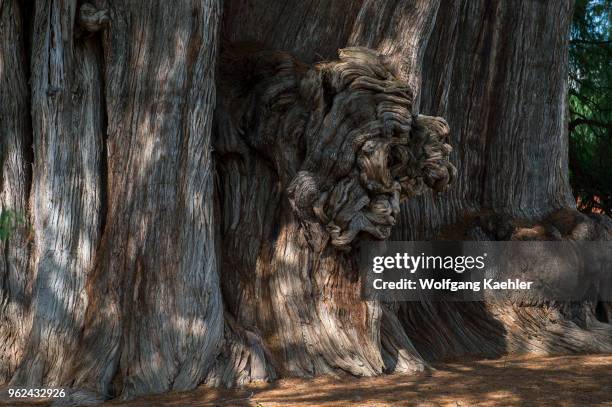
{"x":15,"y":173}
{"x":154,"y":319}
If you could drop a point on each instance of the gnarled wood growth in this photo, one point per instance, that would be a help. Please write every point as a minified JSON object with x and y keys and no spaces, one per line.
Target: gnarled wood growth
{"x":120,"y":294}
{"x":487,"y":68}
{"x":311,"y":159}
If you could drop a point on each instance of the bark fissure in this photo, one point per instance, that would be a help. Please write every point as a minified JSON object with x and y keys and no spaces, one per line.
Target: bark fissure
{"x":104,"y":179}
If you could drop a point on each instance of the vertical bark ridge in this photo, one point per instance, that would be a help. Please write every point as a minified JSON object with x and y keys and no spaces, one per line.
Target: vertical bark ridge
{"x":425,"y":214}
{"x":539,"y":175}
{"x":399,"y":30}
{"x":155,"y":319}
{"x":65,"y":195}
{"x":506,"y":112}
{"x":15,"y":137}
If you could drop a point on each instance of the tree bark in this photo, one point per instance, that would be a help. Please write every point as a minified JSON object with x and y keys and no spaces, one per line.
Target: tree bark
{"x":285,"y":146}
{"x":67,"y":123}
{"x":164,"y":251}
{"x":398,"y":29}
{"x":498,"y":72}
{"x":154,"y":320}
{"x":123,"y":263}
{"x":15,"y":138}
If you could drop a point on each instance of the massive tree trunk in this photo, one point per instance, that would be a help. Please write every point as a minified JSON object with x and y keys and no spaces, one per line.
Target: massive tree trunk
{"x":123,"y":270}
{"x":154,"y":318}
{"x":291,"y":195}
{"x":151,"y":264}
{"x":497,"y":71}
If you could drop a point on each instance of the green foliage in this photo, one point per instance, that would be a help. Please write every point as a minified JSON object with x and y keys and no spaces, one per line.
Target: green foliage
{"x":9,"y":221}
{"x":590,"y":102}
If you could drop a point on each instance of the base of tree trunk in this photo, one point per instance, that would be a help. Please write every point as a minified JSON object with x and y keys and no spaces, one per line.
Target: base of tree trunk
{"x":449,"y":330}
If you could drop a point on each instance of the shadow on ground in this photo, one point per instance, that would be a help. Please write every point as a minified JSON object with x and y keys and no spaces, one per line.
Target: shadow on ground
{"x":555,"y":381}
{"x":527,"y":381}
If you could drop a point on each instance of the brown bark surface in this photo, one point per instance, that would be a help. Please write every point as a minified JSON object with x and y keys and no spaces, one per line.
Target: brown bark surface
{"x":154,"y":319}
{"x":337,"y":145}
{"x":122,"y":282}
{"x":497,"y":71}
{"x":311,"y":158}
{"x":163,"y":251}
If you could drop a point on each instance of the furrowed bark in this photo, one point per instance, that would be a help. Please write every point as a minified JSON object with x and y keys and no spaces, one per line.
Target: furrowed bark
{"x":154,"y":320}
{"x":497,"y":72}
{"x":155,"y":267}
{"x":135,"y":295}
{"x":67,"y":125}
{"x":15,"y":280}
{"x":398,"y":29}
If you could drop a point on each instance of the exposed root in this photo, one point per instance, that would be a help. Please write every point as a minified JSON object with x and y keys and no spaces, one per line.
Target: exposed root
{"x":443,"y":330}
{"x":399,"y":354}
{"x":243,"y":359}
{"x":554,"y":329}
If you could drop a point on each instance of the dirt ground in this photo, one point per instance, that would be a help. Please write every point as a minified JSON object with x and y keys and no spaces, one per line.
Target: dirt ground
{"x":528,"y":381}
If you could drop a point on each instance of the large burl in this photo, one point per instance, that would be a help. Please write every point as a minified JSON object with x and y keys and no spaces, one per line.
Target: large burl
{"x":341,"y":135}
{"x":309,"y":158}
